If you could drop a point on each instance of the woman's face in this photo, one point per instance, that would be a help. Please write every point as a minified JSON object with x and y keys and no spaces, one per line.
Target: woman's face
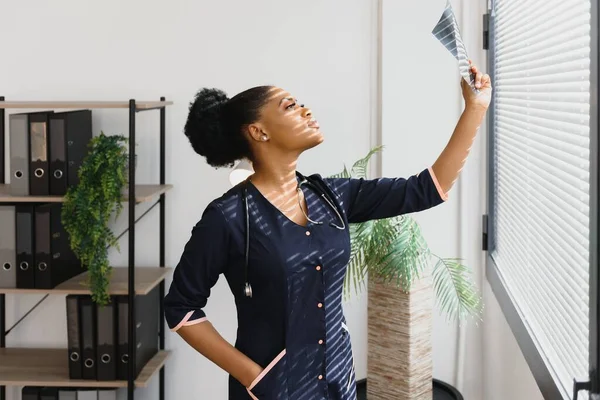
{"x":286,"y":123}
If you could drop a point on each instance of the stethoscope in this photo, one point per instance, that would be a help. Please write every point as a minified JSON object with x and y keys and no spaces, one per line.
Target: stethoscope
{"x":303,"y":181}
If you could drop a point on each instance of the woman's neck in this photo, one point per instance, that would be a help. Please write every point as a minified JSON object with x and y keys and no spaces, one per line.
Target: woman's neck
{"x":277,"y":177}
{"x":277,"y":182}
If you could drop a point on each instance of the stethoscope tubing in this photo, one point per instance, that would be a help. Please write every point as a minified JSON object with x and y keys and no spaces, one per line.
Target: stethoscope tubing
{"x":323,"y":195}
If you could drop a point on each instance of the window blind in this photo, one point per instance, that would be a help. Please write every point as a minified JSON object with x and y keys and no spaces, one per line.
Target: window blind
{"x":541,"y":134}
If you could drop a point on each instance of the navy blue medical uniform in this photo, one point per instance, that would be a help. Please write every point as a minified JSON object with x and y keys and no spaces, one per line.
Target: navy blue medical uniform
{"x":293,"y":326}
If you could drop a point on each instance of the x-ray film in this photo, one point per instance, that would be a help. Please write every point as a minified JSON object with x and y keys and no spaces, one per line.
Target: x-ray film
{"x":448,"y":33}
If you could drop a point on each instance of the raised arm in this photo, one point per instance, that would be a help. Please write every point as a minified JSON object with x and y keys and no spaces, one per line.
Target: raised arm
{"x":367,"y":199}
{"x":451,"y":161}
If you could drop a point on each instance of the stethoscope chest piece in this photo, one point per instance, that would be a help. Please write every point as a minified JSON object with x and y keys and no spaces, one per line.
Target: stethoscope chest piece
{"x":248,"y":290}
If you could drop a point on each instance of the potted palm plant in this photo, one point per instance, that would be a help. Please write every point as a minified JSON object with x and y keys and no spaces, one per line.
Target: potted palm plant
{"x":404,"y":277}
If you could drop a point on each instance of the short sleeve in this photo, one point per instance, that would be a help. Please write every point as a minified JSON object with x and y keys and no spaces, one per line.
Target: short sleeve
{"x":369,"y":199}
{"x":204,"y":258}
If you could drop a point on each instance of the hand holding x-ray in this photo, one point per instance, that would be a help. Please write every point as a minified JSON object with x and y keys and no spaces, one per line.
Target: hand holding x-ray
{"x":448,"y":33}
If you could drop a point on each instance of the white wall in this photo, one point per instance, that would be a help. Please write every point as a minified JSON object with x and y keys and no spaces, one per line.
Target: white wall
{"x":67,"y":49}
{"x":507,"y":375}
{"x":421,"y":103}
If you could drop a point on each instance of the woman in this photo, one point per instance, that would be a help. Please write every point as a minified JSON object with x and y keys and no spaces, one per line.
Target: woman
{"x":292,"y":341}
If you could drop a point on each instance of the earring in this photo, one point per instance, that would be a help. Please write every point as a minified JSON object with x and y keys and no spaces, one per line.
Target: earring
{"x":264,"y":138}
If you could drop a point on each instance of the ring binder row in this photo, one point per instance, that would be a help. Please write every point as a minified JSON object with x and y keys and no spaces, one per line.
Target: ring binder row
{"x":46,"y":151}
{"x":98,"y":338}
{"x":34,"y":251}
{"x":57,"y":393}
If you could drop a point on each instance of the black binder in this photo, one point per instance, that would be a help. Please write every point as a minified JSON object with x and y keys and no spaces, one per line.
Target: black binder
{"x":55,"y":260}
{"x":25,"y":245}
{"x":66,"y":263}
{"x":106,"y":345}
{"x":42,"y":257}
{"x":88,"y":336}
{"x":58,"y":156}
{"x":70,"y":134}
{"x":122,"y":326}
{"x":74,"y":337}
{"x":2,"y":148}
{"x":39,"y":183}
{"x":30,"y":393}
{"x":146,"y":324}
{"x":48,"y":393}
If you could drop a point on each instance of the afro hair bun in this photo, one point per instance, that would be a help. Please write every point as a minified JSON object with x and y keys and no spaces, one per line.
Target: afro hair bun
{"x":215,"y":123}
{"x":205,"y":130}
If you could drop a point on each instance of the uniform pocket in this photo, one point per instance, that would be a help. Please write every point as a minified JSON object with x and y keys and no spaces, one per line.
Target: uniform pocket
{"x":266,"y":384}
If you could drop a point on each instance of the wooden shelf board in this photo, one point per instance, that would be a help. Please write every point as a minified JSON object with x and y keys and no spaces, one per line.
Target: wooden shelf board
{"x":140,"y":105}
{"x":49,"y":367}
{"x":142,"y":193}
{"x":146,"y":279}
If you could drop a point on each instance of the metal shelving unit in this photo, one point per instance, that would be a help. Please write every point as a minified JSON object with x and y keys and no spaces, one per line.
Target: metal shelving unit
{"x":49,"y":367}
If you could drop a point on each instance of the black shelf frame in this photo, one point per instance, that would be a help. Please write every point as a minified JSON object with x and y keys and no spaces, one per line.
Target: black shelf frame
{"x":2,"y":296}
{"x":133,"y":111}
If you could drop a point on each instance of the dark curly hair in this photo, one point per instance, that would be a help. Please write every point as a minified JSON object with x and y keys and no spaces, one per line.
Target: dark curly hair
{"x":215,"y":122}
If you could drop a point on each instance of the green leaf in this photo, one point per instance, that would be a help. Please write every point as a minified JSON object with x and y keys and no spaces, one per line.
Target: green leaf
{"x":400,"y":257}
{"x":88,"y":207}
{"x":359,"y":169}
{"x":343,"y":174}
{"x":455,"y":292}
{"x":395,"y":251}
{"x":360,"y":235}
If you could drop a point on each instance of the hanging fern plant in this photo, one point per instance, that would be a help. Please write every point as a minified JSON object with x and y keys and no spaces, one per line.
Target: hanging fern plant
{"x":88,"y":207}
{"x":394,"y":251}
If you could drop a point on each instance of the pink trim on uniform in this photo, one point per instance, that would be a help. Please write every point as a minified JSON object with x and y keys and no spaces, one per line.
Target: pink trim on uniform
{"x":185,"y":321}
{"x":263,"y":373}
{"x":443,"y":195}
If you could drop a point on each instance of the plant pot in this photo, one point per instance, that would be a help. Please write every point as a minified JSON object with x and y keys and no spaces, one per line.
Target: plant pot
{"x":400,"y":363}
{"x":444,"y":391}
{"x":441,"y":391}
